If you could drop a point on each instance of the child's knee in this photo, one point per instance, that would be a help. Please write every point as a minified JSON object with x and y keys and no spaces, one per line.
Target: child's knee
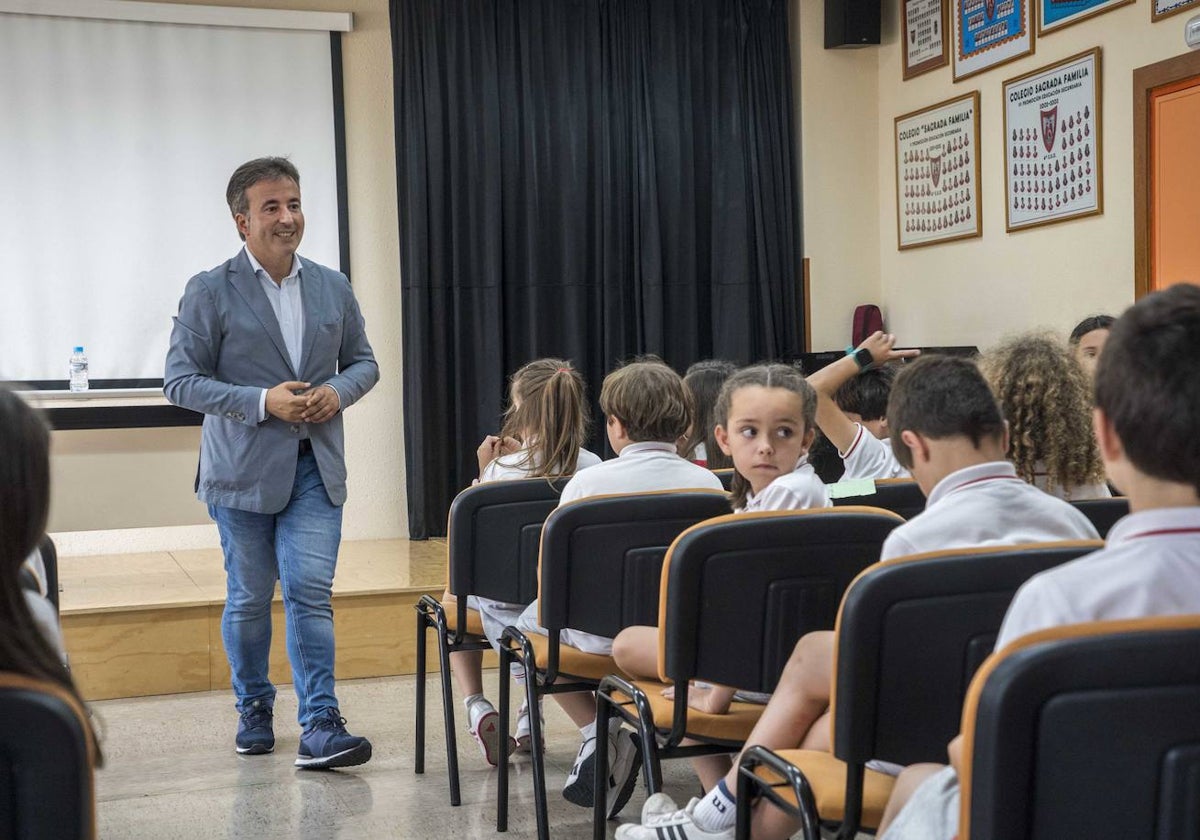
{"x":809,"y":668}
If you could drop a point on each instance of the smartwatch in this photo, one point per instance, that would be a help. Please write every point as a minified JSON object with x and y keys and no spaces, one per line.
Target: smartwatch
{"x":862,"y":357}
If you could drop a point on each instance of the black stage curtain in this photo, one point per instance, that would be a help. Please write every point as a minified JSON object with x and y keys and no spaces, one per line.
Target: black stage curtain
{"x":592,"y":179}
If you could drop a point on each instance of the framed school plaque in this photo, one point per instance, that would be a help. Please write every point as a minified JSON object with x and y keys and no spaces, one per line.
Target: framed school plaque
{"x":1052,"y":143}
{"x":1165,"y":8}
{"x":925,"y":40}
{"x":988,"y":33}
{"x":1056,"y":14}
{"x":937,"y":173}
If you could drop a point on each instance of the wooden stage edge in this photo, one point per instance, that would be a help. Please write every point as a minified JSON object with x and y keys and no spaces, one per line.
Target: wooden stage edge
{"x":146,"y":624}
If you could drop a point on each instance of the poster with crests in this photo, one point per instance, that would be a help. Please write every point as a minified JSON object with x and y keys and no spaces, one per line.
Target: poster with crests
{"x":1052,"y":148}
{"x":924,"y":36}
{"x":988,"y":33}
{"x":937,"y":173}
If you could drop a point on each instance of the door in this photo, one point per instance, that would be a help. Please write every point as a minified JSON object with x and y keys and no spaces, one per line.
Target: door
{"x":1167,"y":173}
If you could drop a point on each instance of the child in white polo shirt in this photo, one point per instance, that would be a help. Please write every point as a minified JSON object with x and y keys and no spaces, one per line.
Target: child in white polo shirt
{"x":646,"y":411}
{"x":852,"y":402}
{"x":1146,"y":417}
{"x":947,"y":429}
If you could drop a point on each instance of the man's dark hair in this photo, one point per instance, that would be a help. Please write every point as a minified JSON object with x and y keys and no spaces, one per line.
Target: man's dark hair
{"x":249,"y":174}
{"x":941,"y":397}
{"x":1148,"y":384}
{"x":867,"y":394}
{"x":1089,"y":324}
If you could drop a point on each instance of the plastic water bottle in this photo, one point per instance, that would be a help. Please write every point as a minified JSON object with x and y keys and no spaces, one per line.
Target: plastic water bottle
{"x":79,"y":370}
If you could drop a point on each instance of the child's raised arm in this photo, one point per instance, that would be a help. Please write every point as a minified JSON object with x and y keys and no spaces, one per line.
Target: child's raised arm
{"x":834,"y":424}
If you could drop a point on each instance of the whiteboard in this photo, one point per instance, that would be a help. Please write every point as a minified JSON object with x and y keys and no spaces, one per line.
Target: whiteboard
{"x":116,"y":144}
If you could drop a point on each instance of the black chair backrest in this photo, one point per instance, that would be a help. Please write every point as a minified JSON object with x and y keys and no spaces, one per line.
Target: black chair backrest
{"x":899,"y":495}
{"x":726,"y":476}
{"x":50,"y":560}
{"x":1087,"y":731}
{"x":740,"y":590}
{"x":911,"y":633}
{"x":46,"y":765}
{"x":1103,"y":513}
{"x":493,"y":536}
{"x":602,"y":556}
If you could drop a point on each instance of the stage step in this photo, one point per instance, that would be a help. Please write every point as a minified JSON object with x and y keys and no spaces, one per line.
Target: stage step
{"x":142,"y":624}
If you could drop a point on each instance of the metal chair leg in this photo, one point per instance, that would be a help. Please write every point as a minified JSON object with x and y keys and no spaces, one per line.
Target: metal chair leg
{"x":502,"y":769}
{"x":536,"y":746}
{"x":419,"y":745}
{"x":448,"y":719}
{"x":748,"y":783}
{"x":600,"y":783}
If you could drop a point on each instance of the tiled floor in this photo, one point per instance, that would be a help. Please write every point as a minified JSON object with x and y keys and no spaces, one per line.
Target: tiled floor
{"x":171,"y":772}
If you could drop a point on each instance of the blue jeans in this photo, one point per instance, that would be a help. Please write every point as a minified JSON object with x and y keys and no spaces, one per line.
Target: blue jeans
{"x":299,"y":546}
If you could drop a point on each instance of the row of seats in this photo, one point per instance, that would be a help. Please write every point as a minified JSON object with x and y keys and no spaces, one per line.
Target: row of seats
{"x":46,"y":760}
{"x":1078,"y":731}
{"x":772,"y":576}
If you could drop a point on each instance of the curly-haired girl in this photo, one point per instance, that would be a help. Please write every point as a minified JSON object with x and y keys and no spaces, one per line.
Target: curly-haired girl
{"x":1046,"y":398}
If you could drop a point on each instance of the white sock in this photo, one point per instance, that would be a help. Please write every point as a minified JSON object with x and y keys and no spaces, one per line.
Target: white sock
{"x":717,"y":811}
{"x":474,"y":698}
{"x":588,"y":731}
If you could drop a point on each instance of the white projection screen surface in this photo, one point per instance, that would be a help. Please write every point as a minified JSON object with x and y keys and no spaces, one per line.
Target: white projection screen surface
{"x":117,"y":140}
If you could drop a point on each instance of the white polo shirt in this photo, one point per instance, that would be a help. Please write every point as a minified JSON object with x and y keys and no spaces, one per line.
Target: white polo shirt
{"x":1076,"y":492}
{"x":799,"y":489}
{"x":986,"y":504}
{"x":509,"y":466}
{"x":640,"y":467}
{"x":1150,"y":566}
{"x":870,"y":457}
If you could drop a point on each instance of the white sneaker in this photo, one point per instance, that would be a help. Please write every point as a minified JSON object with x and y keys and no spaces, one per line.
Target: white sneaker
{"x":624,"y":762}
{"x":484,"y":728}
{"x":656,"y":807}
{"x":523,"y":733}
{"x":677,"y":826}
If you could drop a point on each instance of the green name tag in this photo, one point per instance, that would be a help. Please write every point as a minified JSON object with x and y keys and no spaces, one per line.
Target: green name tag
{"x":851,"y":488}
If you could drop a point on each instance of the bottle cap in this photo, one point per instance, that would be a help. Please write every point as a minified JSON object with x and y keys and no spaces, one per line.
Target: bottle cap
{"x":79,"y":349}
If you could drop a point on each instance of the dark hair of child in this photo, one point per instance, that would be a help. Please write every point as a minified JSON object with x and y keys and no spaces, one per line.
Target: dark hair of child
{"x":1148,"y":384}
{"x":941,"y":397}
{"x":703,"y":381}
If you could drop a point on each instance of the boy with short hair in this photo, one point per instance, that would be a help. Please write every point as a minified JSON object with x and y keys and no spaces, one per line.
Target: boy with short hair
{"x":852,"y":398}
{"x":1146,"y":416}
{"x":646,"y":410}
{"x":947,"y":429}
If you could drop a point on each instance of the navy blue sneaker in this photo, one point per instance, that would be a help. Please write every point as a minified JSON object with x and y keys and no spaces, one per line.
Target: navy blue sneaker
{"x":326,"y":744}
{"x":254,"y":734}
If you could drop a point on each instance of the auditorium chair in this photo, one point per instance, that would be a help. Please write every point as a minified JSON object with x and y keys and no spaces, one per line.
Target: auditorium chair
{"x":1087,"y":730}
{"x":911,"y":632}
{"x":1103,"y":513}
{"x":737,"y":593}
{"x":599,"y":568}
{"x":47,"y":763}
{"x":492,"y":547}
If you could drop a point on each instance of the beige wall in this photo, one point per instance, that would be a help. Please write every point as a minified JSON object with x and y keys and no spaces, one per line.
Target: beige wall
{"x":974,"y":291}
{"x":838,"y":130}
{"x":129,"y":490}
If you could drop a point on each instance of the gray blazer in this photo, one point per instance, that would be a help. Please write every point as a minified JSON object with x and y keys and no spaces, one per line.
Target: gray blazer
{"x":226,"y":346}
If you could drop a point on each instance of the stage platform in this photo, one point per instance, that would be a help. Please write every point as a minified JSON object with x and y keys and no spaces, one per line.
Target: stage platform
{"x":142,"y":624}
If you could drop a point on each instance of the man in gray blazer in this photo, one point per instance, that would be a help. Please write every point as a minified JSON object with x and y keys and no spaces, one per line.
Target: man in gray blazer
{"x":271,"y":348}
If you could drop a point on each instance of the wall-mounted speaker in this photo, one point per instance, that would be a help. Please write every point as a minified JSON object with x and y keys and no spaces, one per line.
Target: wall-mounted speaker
{"x":851,"y":23}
